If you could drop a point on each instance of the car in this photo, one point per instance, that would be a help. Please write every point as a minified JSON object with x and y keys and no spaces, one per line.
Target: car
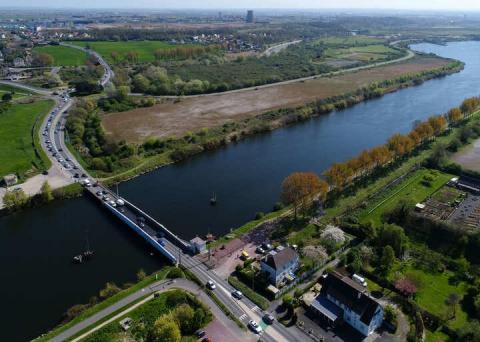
{"x":254,"y":326}
{"x":99,"y":193}
{"x":60,"y":149}
{"x":200,"y":333}
{"x":76,"y":175}
{"x":206,"y":339}
{"x":211,"y":285}
{"x":161,"y":242}
{"x":106,"y":198}
{"x":75,"y":167}
{"x":113,"y":204}
{"x":266,"y":246}
{"x":268,"y":318}
{"x":237,"y":294}
{"x":141,"y":224}
{"x":259,"y":250}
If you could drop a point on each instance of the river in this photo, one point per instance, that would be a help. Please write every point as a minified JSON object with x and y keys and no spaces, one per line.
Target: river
{"x":39,"y":282}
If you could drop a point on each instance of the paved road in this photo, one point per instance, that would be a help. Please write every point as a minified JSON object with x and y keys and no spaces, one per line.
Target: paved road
{"x":108,"y":71}
{"x":162,"y":285}
{"x":279,"y":47}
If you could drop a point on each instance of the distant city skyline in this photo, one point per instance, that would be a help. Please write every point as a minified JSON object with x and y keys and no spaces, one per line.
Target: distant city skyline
{"x":461,"y":5}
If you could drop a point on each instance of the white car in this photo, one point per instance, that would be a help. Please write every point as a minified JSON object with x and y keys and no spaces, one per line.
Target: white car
{"x":255,"y":327}
{"x":211,"y":285}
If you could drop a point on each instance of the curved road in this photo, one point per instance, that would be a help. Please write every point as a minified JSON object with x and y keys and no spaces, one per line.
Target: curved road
{"x":159,"y":286}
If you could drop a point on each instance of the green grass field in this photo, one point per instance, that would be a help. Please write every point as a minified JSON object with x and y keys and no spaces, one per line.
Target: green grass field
{"x":410,"y":189}
{"x":17,"y":154}
{"x":433,"y":293}
{"x":17,"y":93}
{"x":362,"y":53}
{"x":145,"y":49}
{"x":350,"y":40}
{"x":63,"y":56}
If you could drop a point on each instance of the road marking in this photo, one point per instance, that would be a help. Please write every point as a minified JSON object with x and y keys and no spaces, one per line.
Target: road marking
{"x":255,"y":309}
{"x":242,"y":317}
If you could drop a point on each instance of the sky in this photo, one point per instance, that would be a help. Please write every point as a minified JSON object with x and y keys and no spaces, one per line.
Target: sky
{"x":461,"y":5}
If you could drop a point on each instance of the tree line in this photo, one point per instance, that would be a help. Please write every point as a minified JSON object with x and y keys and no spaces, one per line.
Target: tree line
{"x":300,"y":189}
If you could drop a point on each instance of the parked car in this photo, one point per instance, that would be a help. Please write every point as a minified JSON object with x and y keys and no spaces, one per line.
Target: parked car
{"x":254,"y":326}
{"x":259,"y":250}
{"x":268,"y":318}
{"x":211,"y":285}
{"x":200,"y":333}
{"x":237,"y":294}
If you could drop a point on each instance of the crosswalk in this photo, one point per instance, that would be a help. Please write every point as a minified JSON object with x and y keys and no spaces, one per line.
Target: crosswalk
{"x":254,"y":309}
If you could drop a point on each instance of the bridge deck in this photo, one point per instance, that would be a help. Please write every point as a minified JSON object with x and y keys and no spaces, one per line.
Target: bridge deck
{"x":148,"y":228}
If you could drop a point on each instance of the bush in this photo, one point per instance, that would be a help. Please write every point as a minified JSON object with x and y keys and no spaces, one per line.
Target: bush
{"x":259,"y":215}
{"x":258,"y":299}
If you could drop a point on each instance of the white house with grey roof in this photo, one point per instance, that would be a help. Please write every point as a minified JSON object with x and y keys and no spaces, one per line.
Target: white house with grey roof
{"x":280,"y":265}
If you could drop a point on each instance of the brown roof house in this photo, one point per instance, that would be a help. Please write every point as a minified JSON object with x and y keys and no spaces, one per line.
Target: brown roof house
{"x":280,"y":265}
{"x":341,"y":298}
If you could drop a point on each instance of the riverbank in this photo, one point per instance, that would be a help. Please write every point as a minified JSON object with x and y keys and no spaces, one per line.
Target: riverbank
{"x":160,"y":152}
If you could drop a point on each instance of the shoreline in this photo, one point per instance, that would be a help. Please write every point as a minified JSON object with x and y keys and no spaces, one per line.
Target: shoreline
{"x":276,"y":123}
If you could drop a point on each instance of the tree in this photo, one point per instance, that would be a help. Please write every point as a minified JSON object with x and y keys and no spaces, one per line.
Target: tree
{"x":141,"y":275}
{"x":454,"y":115}
{"x":300,"y":188}
{"x":46,"y":191}
{"x":390,"y":314}
{"x":7,"y":97}
{"x":452,"y":300}
{"x":183,"y":315}
{"x":339,"y":174}
{"x":122,"y":92}
{"x":109,"y":290}
{"x":140,"y":83}
{"x":165,"y":330}
{"x":42,"y":60}
{"x":14,"y":200}
{"x":393,"y":236}
{"x":406,"y":287}
{"x":470,"y":331}
{"x":438,"y":123}
{"x":400,"y":144}
{"x":387,"y":259}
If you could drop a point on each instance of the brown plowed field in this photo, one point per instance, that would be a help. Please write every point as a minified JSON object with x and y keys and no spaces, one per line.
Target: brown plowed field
{"x":194,"y":113}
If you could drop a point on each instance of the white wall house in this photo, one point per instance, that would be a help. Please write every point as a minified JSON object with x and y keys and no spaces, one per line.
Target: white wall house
{"x":280,"y":265}
{"x":342,"y":298}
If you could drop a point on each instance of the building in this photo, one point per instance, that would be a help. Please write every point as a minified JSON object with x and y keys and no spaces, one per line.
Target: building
{"x":249,"y":18}
{"x":280,"y":265}
{"x":343,"y":299}
{"x":19,"y":62}
{"x":199,"y":245}
{"x":10,"y":180}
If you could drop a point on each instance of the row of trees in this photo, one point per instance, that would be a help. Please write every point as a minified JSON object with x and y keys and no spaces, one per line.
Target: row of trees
{"x":299,"y":189}
{"x":399,"y":145}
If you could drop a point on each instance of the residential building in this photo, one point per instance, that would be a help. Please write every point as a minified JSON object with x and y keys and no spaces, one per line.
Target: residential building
{"x":249,"y":18}
{"x":280,"y":265}
{"x":10,"y":179}
{"x":19,"y":62}
{"x":343,"y":299}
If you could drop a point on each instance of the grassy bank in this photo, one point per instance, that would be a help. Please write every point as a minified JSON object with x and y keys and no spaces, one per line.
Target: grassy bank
{"x":162,"y":274}
{"x":155,"y":153}
{"x":20,"y":150}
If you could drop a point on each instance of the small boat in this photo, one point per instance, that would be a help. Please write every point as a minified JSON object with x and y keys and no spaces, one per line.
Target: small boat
{"x":213,"y":200}
{"x":86,"y":255}
{"x":78,"y":259}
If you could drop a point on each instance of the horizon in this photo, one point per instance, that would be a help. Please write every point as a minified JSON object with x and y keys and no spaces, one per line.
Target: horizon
{"x":304,"y":5}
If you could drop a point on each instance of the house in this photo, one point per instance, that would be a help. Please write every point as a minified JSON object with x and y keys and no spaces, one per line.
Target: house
{"x":343,"y":299}
{"x":19,"y":62}
{"x":199,"y":245}
{"x":280,"y":265}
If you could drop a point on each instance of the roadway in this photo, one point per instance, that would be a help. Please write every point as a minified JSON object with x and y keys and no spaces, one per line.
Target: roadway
{"x":243,"y":309}
{"x":108,"y":70}
{"x":159,"y":286}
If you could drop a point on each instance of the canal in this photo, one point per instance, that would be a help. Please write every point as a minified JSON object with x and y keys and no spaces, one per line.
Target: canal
{"x":39,"y":282}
